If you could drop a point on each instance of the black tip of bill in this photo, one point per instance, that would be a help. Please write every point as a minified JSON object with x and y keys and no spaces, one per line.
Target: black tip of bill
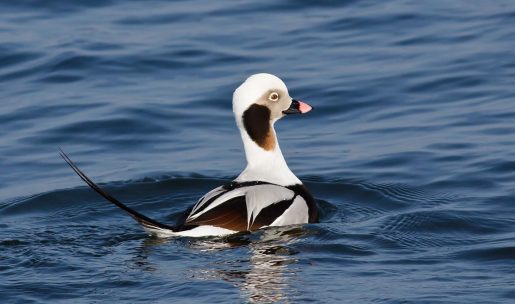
{"x":298,"y":107}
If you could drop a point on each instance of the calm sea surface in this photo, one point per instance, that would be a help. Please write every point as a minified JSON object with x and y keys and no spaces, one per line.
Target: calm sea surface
{"x":410,"y":150}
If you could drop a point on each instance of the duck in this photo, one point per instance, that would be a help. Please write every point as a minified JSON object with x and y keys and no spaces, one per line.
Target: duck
{"x":265,"y":194}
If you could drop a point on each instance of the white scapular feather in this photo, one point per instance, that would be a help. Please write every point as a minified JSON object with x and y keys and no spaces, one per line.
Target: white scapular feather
{"x":262,"y":196}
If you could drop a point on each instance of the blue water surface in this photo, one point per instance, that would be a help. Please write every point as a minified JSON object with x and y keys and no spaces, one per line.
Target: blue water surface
{"x":410,"y":150}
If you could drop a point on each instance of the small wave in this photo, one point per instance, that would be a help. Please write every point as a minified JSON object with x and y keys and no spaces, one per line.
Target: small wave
{"x":488,"y":254}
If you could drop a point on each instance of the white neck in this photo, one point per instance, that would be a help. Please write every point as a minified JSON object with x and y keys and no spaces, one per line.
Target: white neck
{"x":263,"y":165}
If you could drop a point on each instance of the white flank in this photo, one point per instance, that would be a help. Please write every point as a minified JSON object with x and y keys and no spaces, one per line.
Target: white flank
{"x":199,"y":231}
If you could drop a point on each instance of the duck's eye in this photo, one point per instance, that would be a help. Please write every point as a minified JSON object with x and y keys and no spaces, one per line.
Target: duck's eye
{"x":273,"y":96}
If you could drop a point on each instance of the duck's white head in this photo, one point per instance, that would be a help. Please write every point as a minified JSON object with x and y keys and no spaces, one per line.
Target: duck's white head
{"x":257,"y":104}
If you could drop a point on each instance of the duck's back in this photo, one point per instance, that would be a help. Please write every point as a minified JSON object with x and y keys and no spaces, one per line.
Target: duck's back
{"x":247,"y":206}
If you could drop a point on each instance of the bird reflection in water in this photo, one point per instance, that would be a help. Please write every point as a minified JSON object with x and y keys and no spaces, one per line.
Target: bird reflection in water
{"x":261,"y":264}
{"x":265,"y":276}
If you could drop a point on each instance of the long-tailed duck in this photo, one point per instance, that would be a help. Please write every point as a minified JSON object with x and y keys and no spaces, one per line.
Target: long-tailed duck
{"x":265,"y":194}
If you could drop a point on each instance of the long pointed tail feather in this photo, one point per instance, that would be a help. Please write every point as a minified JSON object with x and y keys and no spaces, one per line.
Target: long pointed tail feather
{"x":147,"y":223}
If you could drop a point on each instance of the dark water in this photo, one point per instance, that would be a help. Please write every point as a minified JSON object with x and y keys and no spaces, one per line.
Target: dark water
{"x":410,"y":150}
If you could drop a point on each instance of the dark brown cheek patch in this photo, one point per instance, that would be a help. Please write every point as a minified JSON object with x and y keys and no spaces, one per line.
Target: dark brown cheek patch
{"x":256,"y":121}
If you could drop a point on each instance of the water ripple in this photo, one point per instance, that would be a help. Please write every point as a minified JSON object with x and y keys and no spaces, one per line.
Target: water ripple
{"x":409,"y":151}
